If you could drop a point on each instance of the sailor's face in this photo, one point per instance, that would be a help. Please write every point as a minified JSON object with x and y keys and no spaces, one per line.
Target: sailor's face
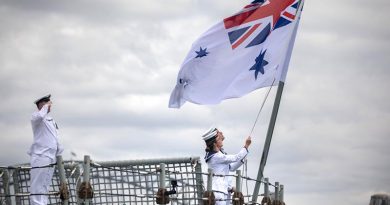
{"x":219,"y":139}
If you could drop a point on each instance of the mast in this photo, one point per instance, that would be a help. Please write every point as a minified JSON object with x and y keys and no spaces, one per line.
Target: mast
{"x":275,"y":108}
{"x":268,"y":139}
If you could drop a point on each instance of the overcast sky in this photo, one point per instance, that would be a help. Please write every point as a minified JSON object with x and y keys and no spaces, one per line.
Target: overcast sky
{"x":111,"y":65}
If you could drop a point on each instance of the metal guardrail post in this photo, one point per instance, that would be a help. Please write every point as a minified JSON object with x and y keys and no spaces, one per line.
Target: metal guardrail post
{"x":210,"y":180}
{"x":162,"y":194}
{"x":162,"y":176}
{"x":276,"y":190}
{"x":86,"y":174}
{"x":77,"y":175}
{"x":15,"y":174}
{"x":266,"y":199}
{"x":208,"y":196}
{"x":199,"y":182}
{"x":238,"y":181}
{"x":6,"y":187}
{"x":63,"y":184}
{"x":266,"y":187}
{"x":238,"y":197}
{"x":281,"y":195}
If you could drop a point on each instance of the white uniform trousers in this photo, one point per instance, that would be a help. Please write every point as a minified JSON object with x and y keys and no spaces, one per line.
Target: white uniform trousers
{"x":40,"y":179}
{"x":222,"y":196}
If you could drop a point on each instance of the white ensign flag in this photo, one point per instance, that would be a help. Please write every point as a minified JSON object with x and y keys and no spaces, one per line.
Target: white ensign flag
{"x":242,"y":53}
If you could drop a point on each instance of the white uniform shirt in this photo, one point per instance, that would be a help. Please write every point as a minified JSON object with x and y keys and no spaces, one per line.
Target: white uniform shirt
{"x":222,"y":164}
{"x":45,"y":132}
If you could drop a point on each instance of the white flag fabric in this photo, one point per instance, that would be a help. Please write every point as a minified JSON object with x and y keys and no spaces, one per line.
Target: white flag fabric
{"x":244,"y":52}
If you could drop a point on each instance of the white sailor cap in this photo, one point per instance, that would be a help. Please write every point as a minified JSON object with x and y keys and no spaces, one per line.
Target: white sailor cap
{"x":210,"y":134}
{"x":44,"y":98}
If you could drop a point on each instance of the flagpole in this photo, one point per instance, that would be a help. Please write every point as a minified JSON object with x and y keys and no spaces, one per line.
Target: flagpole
{"x":268,"y":139}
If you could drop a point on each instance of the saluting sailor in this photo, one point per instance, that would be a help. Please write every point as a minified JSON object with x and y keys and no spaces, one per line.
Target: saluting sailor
{"x":43,"y":151}
{"x":222,"y":163}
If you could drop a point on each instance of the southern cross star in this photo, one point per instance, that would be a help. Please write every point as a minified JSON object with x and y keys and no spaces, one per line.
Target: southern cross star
{"x":260,"y":63}
{"x":201,"y":53}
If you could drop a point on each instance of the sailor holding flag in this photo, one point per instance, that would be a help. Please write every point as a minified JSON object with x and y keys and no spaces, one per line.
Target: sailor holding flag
{"x":248,"y":50}
{"x":221,"y":163}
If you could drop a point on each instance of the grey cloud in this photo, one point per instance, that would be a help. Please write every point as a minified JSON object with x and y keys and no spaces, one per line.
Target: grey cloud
{"x":111,"y":66}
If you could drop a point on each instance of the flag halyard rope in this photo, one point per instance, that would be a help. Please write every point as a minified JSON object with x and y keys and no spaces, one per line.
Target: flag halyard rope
{"x":261,"y":107}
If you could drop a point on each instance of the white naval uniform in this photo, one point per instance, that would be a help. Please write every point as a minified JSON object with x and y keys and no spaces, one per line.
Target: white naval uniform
{"x":43,"y":152}
{"x":222,"y":164}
